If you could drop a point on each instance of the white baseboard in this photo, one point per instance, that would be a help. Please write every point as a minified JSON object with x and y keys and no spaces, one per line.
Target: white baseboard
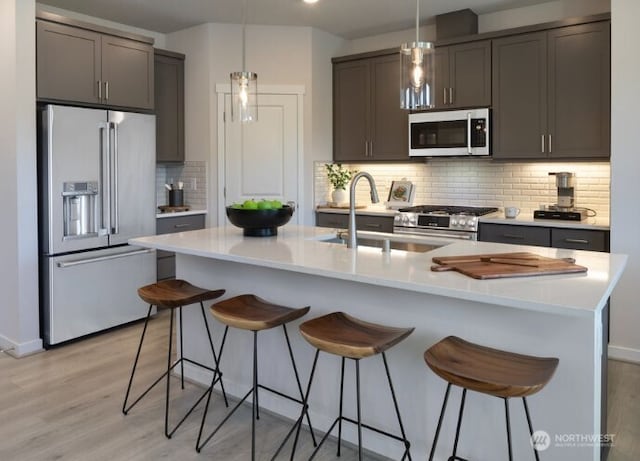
{"x":625,"y":354}
{"x":20,"y":349}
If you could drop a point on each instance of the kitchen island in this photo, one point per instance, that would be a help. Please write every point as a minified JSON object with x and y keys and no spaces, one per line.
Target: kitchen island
{"x":553,"y":315}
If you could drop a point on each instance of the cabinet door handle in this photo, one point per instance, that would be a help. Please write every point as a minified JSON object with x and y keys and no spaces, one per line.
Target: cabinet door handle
{"x":579,"y":241}
{"x":542,"y":143}
{"x":450,"y":95}
{"x":374,"y":225}
{"x":366,"y":148}
{"x":370,"y":148}
{"x":549,"y":143}
{"x":180,"y":226}
{"x":106,"y":91}
{"x":444,"y":94}
{"x":99,"y":90}
{"x":513,"y":236}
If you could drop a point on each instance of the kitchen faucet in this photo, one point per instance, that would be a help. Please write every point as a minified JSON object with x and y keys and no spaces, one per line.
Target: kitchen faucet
{"x":353,"y":241}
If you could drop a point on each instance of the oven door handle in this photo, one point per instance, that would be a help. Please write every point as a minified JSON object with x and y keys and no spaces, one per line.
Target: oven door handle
{"x":469,"y":151}
{"x":462,"y":235}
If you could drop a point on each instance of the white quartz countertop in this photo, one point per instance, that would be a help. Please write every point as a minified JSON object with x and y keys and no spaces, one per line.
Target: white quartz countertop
{"x":524,"y":219}
{"x":301,"y":249}
{"x":180,"y":213}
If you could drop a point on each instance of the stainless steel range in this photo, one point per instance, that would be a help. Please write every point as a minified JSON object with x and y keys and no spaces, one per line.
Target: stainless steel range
{"x":458,"y":222}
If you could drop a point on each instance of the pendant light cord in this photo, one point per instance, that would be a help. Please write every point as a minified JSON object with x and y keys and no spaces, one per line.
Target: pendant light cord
{"x":244,"y":35}
{"x":417,"y":21}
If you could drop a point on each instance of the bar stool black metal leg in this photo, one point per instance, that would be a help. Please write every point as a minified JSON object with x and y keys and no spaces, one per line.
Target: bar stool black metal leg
{"x":255,"y":396}
{"x":166,"y":402}
{"x":358,"y":409}
{"x":526,"y":412}
{"x":125,"y":410}
{"x":181,"y":351}
{"x":305,"y":406}
{"x":217,"y":373}
{"x":444,"y":407}
{"x":506,"y":412}
{"x":341,"y":399}
{"x":295,"y":372}
{"x":455,"y":443}
{"x":407,"y":445}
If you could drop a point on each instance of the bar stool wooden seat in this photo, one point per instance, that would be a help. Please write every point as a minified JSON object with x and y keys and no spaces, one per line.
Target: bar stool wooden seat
{"x":348,"y":337}
{"x":249,"y":312}
{"x":489,"y":371}
{"x":175,"y":294}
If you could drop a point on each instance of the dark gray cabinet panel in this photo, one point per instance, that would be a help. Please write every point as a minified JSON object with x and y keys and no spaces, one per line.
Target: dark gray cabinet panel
{"x":169,"y":105}
{"x":463,"y":75}
{"x":389,"y":134}
{"x":363,"y":222}
{"x":368,"y":124}
{"x":580,"y":239}
{"x":351,"y":110}
{"x":579,"y":91}
{"x":127,"y":70}
{"x":555,"y":237}
{"x":81,"y":66}
{"x":517,"y":235}
{"x":519,"y":80}
{"x":68,"y":63}
{"x":551,"y":94}
{"x":166,"y":261}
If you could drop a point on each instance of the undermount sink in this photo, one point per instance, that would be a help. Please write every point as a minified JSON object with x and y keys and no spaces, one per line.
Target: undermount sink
{"x":395,"y":245}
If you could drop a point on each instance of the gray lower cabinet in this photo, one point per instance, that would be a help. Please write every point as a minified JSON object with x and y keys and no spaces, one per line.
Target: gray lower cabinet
{"x":363,"y":222}
{"x":169,"y":103}
{"x":555,"y":237}
{"x":166,"y":261}
{"x":77,"y":65}
{"x":551,"y":93}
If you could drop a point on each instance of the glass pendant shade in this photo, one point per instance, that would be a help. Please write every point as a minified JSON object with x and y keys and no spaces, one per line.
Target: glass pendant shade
{"x":417,"y":75}
{"x":244,"y":96}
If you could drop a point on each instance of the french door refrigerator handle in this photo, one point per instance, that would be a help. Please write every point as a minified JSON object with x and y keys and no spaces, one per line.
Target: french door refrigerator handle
{"x":116,"y":211}
{"x":105,"y":180}
{"x":79,"y":262}
{"x":469,"y":151}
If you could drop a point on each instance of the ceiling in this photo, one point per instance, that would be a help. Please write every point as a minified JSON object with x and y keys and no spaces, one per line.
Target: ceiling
{"x":345,"y":18}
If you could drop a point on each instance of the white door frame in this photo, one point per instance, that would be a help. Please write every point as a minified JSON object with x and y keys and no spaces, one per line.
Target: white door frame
{"x":223,"y":89}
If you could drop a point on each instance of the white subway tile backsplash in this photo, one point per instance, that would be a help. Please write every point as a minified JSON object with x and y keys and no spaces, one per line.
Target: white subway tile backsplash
{"x":190,"y":173}
{"x":481,"y":183}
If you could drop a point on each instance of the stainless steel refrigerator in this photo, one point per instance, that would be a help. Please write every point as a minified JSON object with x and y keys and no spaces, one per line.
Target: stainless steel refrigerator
{"x":97,"y":190}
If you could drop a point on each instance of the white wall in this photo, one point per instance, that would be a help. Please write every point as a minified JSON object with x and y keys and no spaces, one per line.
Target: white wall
{"x":625,"y":171}
{"x":19,"y":326}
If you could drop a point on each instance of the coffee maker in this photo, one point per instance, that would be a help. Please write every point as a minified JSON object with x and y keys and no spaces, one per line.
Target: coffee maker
{"x":565,"y":206}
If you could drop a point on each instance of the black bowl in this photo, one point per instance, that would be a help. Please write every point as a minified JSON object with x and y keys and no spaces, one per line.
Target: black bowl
{"x":259,"y":223}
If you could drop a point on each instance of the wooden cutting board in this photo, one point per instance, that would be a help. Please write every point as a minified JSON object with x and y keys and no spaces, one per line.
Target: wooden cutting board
{"x":503,"y":265}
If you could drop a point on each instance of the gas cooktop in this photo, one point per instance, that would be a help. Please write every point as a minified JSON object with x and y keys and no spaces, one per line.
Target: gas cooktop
{"x":449,"y":210}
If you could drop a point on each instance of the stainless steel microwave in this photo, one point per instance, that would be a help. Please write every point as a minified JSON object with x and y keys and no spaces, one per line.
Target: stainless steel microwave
{"x":449,"y":133}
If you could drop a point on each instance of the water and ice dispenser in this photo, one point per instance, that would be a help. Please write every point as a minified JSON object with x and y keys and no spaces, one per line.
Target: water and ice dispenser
{"x":80,"y":209}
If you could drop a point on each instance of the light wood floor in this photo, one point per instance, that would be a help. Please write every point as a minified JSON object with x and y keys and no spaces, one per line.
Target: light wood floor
{"x":65,"y":404}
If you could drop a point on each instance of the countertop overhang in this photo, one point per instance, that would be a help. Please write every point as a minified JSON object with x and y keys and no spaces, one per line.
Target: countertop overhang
{"x":301,"y":249}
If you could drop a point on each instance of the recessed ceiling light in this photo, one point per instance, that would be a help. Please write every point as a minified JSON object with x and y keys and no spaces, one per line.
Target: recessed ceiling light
{"x":310,"y":1}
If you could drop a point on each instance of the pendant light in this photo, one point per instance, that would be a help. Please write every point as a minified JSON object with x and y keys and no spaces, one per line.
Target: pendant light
{"x":244,"y":85}
{"x":417,"y":71}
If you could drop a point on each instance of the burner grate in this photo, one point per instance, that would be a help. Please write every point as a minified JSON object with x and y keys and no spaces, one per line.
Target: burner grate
{"x":449,"y":210}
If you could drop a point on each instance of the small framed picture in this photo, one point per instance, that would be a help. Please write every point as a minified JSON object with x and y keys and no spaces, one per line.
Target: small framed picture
{"x":401,"y":194}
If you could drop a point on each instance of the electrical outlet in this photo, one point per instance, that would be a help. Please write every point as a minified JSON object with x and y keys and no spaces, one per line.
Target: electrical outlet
{"x":194,"y":184}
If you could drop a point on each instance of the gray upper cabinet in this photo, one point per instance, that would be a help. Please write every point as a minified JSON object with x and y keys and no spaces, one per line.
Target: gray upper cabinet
{"x":463,"y":75}
{"x":368,"y":122}
{"x":169,"y":102}
{"x":551,"y":94}
{"x":82,"y":66}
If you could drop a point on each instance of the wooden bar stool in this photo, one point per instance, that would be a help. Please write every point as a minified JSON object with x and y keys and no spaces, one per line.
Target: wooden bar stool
{"x":248,"y":312}
{"x":348,"y":337}
{"x":172,"y":294}
{"x":489,"y":371}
